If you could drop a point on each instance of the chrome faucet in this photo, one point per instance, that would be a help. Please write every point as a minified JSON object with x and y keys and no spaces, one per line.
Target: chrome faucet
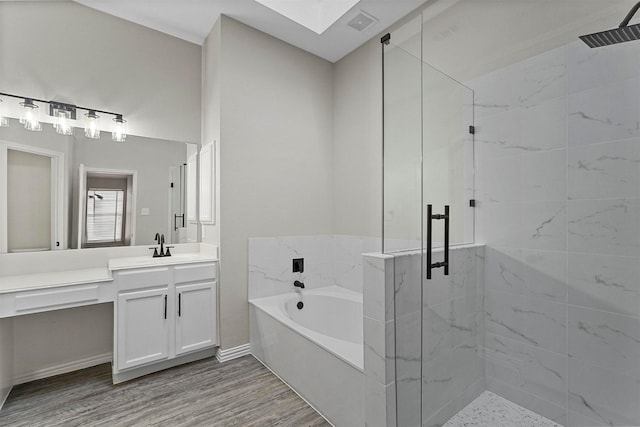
{"x":298,"y":284}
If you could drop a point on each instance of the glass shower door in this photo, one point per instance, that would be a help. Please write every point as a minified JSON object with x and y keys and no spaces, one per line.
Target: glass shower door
{"x":451,"y":364}
{"x":428,"y":160}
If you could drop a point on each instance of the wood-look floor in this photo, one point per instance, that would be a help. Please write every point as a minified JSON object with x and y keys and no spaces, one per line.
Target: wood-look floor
{"x":240,"y":392}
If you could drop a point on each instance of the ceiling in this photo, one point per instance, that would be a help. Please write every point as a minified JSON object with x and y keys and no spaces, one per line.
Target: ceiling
{"x":484,"y":33}
{"x":193,"y":19}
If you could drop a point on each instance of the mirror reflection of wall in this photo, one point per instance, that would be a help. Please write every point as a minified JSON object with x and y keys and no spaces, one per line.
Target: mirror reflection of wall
{"x":155,"y":206}
{"x":28,"y":201}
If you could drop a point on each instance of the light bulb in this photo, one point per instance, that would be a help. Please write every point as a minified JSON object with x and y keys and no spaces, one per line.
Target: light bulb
{"x":29,"y":116}
{"x":62,"y":125}
{"x":119,"y":134}
{"x":91,"y":129}
{"x":4,"y":121}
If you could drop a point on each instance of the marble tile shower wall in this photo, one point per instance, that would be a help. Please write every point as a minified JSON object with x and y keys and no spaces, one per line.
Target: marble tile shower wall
{"x":403,"y":381}
{"x":558,"y":185}
{"x":328,"y":261}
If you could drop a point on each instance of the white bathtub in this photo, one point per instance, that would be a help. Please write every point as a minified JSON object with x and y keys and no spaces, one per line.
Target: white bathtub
{"x":317,"y":350}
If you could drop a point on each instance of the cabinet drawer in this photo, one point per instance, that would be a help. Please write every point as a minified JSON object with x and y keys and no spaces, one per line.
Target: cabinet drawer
{"x":146,"y":278}
{"x":49,"y":299}
{"x":195,"y":272}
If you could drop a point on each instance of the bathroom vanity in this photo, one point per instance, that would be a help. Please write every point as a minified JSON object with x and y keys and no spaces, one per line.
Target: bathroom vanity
{"x":164,"y":312}
{"x":165,"y":309}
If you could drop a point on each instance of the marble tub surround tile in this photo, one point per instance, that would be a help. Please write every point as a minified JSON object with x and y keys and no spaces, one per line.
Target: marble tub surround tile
{"x":407,"y":394}
{"x":607,"y":170}
{"x":605,"y":339}
{"x":379,"y":350}
{"x":380,"y":405}
{"x":394,"y":317}
{"x":603,"y":395}
{"x":605,"y":282}
{"x":527,"y":368}
{"x":407,"y":347}
{"x":407,"y":284}
{"x":270,"y":267}
{"x":589,"y":68}
{"x":605,"y":113}
{"x":379,"y":339}
{"x":328,"y":260}
{"x":604,"y":226}
{"x":378,"y":295}
{"x":489,"y":409}
{"x":347,"y":259}
{"x":534,"y":321}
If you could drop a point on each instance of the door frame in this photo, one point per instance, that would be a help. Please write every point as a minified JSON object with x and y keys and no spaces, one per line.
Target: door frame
{"x":82,"y":201}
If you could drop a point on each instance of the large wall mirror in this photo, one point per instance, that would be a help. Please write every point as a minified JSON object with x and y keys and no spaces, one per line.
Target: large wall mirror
{"x":68,"y":192}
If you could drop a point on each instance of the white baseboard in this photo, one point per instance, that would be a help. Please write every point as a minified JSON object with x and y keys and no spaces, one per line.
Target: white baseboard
{"x":63,"y":368}
{"x":233,"y":353}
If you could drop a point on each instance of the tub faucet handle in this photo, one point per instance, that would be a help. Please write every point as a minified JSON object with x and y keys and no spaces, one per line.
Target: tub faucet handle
{"x":298,"y":284}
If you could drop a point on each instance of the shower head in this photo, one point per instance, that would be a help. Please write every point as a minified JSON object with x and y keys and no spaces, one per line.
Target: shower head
{"x":624,"y":33}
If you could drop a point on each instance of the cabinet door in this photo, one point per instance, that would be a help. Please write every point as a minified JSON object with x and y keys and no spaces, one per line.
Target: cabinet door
{"x":143,"y":327}
{"x":195,"y":316}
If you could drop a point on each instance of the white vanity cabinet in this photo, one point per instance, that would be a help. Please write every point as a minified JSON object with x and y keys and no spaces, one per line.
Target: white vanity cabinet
{"x":143,"y":327}
{"x":162,"y":315}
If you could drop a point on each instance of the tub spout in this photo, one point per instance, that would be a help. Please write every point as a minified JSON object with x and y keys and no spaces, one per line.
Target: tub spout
{"x":298,"y":284}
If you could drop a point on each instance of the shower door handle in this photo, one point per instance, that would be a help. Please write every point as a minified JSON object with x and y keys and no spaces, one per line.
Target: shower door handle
{"x":430,"y":217}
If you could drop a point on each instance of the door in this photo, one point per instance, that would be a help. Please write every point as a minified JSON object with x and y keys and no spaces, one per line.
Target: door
{"x":32,"y":216}
{"x":143,"y":327}
{"x":428,"y":207}
{"x":195,"y":321}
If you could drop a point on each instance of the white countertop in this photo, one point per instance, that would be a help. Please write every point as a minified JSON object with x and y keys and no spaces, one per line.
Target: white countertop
{"x":149,"y":261}
{"x":27,"y":282}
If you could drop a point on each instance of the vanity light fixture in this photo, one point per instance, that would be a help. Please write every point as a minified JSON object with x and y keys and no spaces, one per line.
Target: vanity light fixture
{"x":120,"y":132}
{"x":4,"y":121}
{"x":64,"y":116}
{"x":91,"y":129}
{"x":29,"y":116}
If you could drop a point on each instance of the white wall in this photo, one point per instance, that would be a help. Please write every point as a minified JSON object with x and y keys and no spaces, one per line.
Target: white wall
{"x":70,"y":53}
{"x":275,"y":146}
{"x":48,"y":340}
{"x":211,"y":91}
{"x":357,"y":142}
